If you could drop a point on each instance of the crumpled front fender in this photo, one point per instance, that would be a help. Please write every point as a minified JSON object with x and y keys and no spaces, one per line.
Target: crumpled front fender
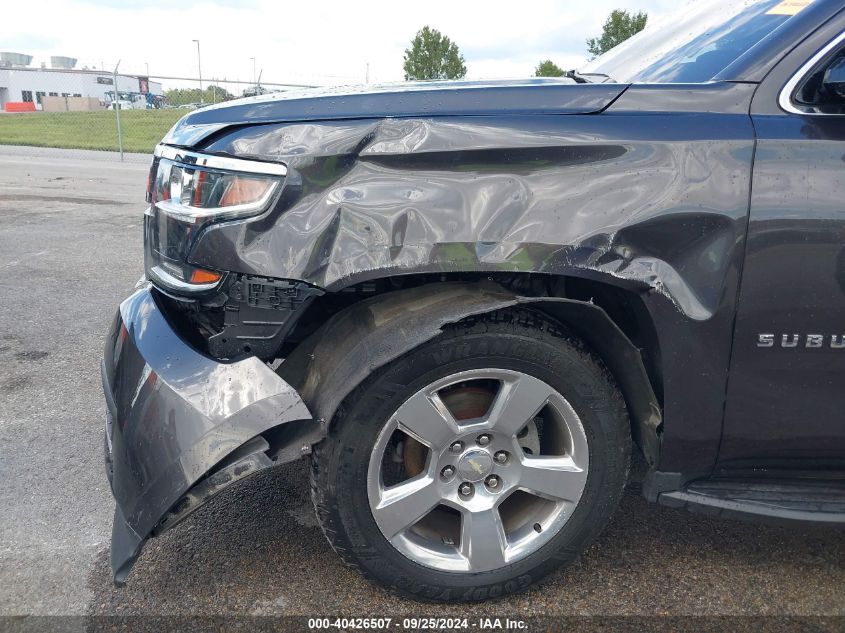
{"x":173,"y":416}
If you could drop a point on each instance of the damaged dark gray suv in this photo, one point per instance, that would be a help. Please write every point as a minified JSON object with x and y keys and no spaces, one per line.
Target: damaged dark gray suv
{"x":467,"y":303}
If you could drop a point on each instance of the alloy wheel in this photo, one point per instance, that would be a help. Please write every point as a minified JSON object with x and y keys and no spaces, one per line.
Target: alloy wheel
{"x":477,"y":470}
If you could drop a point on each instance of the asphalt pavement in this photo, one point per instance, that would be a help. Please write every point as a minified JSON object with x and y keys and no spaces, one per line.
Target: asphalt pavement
{"x":70,"y":250}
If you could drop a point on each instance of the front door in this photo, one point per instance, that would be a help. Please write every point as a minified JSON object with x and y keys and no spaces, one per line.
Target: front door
{"x":785,"y":407}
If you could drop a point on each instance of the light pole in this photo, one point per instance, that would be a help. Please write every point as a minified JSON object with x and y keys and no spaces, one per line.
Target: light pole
{"x":117,"y":112}
{"x":199,"y":67}
{"x":253,"y":70}
{"x":147,"y":64}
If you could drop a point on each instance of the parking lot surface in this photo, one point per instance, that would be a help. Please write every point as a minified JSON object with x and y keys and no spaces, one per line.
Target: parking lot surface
{"x":70,"y":250}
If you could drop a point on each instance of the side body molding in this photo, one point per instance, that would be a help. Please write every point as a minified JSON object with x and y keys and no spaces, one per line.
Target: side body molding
{"x":333,"y":361}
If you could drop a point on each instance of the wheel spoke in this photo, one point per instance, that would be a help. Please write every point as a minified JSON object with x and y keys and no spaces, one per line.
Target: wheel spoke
{"x":427,"y":418}
{"x":517,"y":402}
{"x":557,"y":478}
{"x":483,"y":539}
{"x":403,"y":505}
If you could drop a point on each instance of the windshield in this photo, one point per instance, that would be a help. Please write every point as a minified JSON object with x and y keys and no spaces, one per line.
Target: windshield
{"x":694,"y":44}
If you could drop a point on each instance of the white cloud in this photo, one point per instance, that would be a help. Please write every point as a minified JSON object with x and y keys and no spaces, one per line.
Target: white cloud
{"x":323,"y":42}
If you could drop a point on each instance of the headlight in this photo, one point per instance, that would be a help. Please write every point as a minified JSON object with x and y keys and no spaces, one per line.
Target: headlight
{"x":188,"y":190}
{"x":193,"y":187}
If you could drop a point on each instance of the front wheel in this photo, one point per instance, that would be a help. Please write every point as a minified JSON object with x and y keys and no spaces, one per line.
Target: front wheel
{"x":476,"y":464}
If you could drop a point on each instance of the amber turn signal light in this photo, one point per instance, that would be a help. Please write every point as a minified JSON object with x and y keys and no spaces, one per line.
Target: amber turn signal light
{"x":200,"y":276}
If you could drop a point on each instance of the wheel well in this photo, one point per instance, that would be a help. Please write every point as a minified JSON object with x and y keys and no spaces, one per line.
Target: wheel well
{"x":624,"y":306}
{"x":628,"y":311}
{"x":355,"y":331}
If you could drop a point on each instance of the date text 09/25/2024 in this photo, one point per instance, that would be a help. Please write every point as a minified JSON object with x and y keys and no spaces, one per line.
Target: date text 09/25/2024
{"x":418,"y":623}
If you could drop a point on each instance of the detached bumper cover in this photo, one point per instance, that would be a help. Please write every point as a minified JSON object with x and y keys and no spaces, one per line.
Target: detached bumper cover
{"x":174,"y":414}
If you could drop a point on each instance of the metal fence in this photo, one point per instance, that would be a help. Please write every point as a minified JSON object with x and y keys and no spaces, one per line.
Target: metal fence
{"x":90,"y":109}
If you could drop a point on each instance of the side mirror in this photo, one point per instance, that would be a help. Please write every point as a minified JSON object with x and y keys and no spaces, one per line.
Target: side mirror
{"x":834,"y":78}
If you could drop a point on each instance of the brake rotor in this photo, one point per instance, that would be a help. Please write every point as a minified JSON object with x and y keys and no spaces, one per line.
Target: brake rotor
{"x":529,"y":438}
{"x":464,"y":403}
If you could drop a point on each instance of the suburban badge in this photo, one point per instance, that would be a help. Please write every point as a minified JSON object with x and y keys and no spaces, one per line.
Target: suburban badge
{"x":833,"y":341}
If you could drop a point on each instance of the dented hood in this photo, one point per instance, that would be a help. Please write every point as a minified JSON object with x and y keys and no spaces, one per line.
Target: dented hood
{"x":409,"y":99}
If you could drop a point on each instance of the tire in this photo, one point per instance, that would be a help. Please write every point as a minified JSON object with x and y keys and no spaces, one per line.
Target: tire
{"x":512,"y":343}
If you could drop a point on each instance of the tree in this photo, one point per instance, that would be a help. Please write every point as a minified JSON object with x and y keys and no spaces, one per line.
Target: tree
{"x":620,"y":25}
{"x":433,"y":56}
{"x":548,"y":69}
{"x":210,"y":94}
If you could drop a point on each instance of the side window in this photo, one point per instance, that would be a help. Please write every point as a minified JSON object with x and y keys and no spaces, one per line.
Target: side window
{"x":821,"y":89}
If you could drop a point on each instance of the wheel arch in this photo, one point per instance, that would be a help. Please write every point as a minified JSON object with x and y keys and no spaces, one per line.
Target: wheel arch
{"x":351,"y":344}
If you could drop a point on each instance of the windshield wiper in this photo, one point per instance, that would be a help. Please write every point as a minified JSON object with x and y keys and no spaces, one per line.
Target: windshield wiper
{"x":585,"y":78}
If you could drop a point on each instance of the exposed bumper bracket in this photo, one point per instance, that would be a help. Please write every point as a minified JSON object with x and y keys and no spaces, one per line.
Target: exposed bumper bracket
{"x":245,"y":461}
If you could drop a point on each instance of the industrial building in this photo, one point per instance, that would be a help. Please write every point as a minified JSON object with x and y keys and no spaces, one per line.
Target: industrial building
{"x":22,"y":83}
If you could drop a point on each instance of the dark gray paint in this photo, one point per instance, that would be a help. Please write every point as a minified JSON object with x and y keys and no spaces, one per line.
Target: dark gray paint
{"x":784,"y":408}
{"x":650,"y":196}
{"x":420,"y":99}
{"x":175,"y":414}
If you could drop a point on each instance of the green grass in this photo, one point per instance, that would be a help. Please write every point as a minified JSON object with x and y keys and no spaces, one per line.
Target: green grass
{"x":142,"y":129}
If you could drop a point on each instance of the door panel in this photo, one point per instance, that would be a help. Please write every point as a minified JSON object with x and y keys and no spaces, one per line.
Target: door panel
{"x":785,"y":405}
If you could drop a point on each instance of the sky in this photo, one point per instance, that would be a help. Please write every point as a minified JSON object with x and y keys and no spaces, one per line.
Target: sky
{"x":321,"y":42}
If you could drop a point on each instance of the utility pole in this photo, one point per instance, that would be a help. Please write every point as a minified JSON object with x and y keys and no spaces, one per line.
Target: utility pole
{"x":253,"y":69}
{"x":199,"y":67}
{"x":117,"y":112}
{"x":367,"y":76}
{"x":147,"y":64}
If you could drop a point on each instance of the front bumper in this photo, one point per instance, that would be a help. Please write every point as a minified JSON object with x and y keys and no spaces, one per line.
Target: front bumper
{"x":173,"y":417}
